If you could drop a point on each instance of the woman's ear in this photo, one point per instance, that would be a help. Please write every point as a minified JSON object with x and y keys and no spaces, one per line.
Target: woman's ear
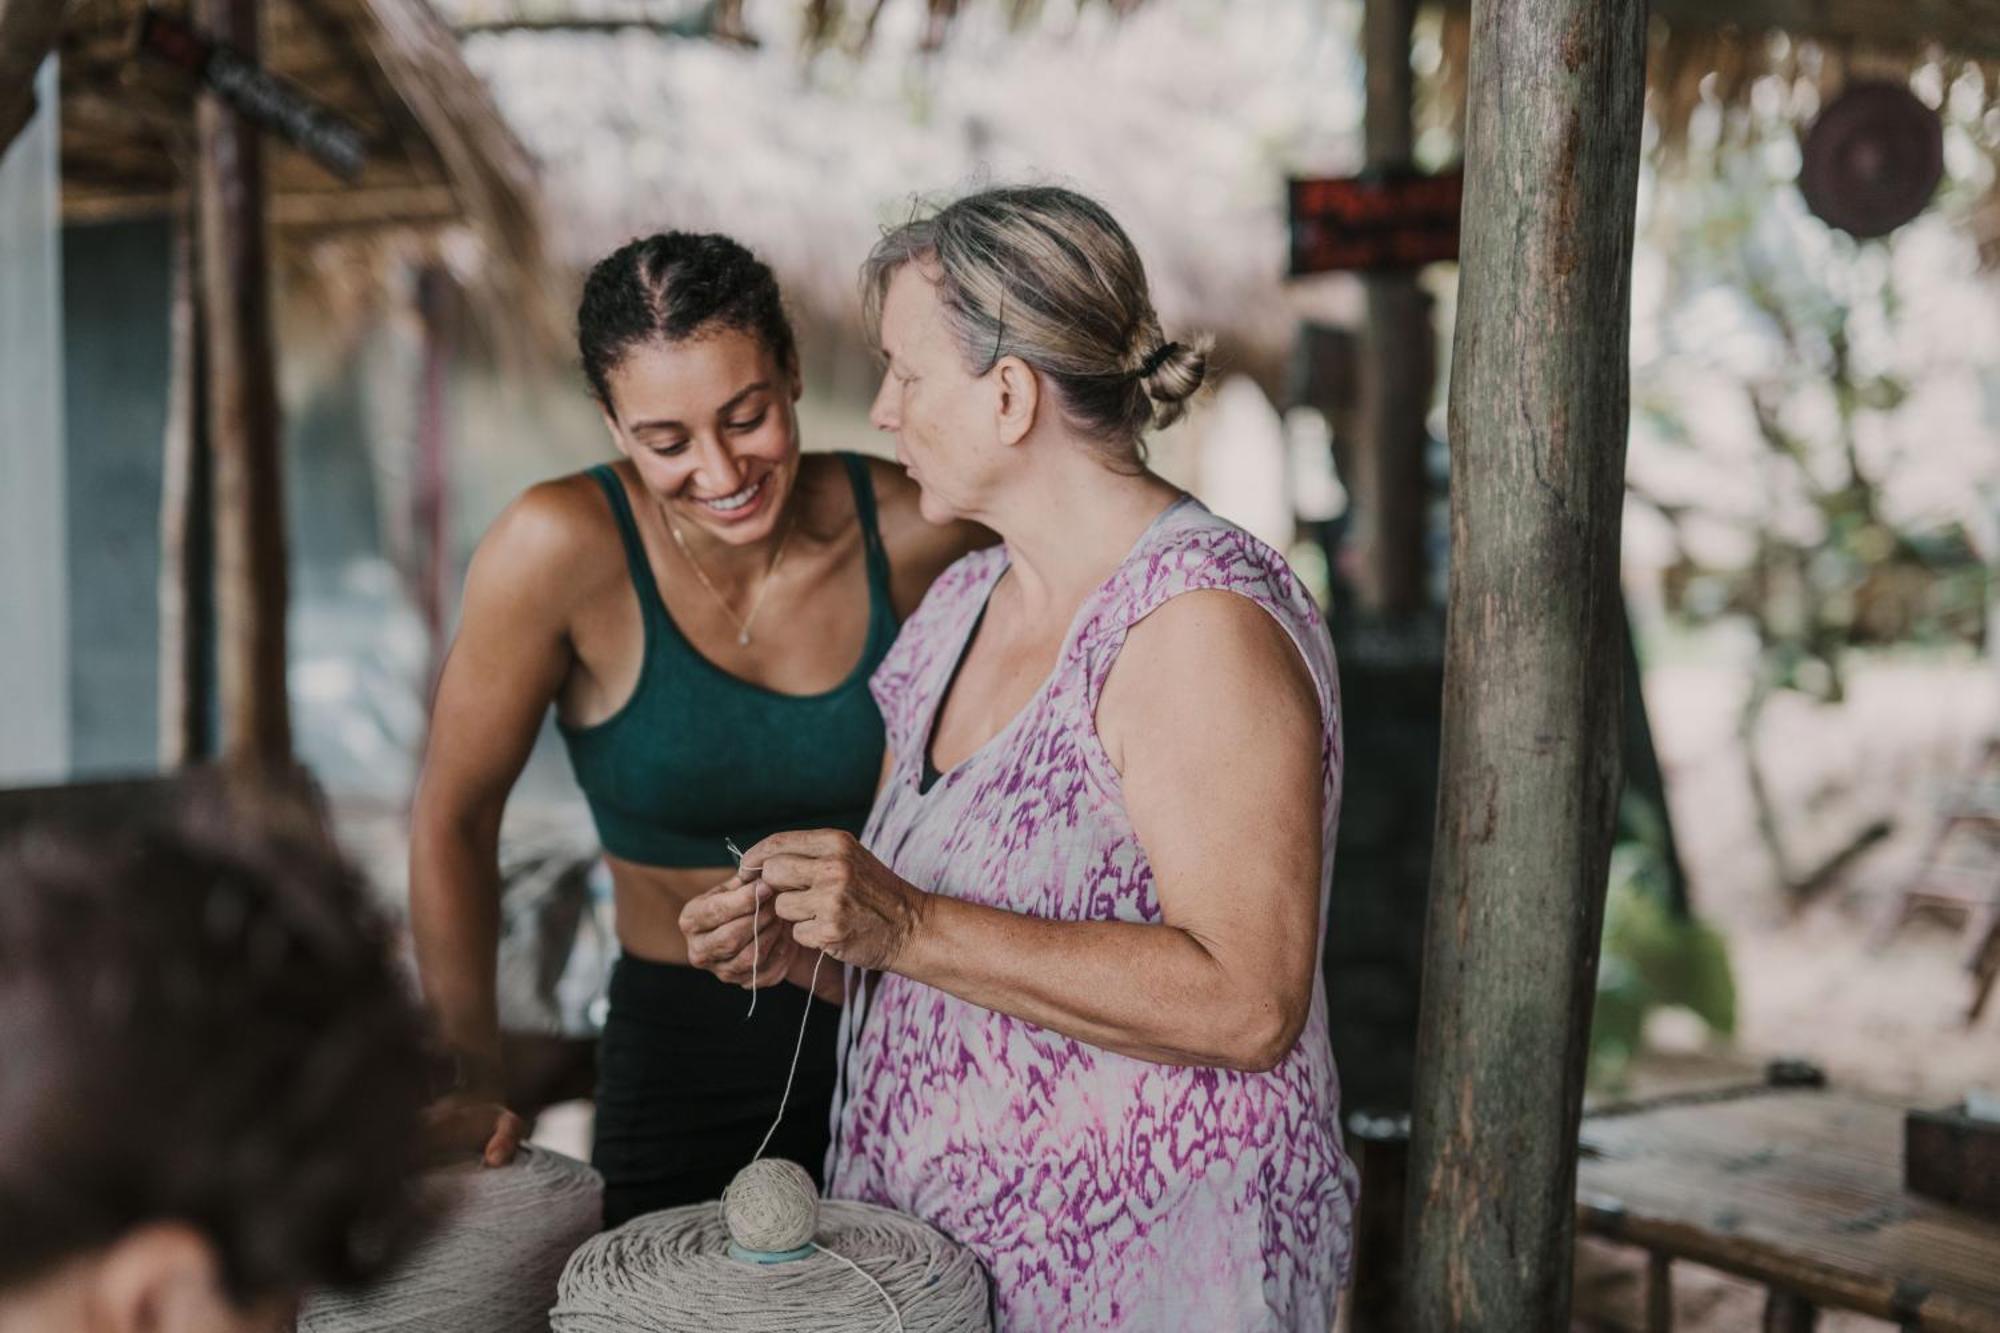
{"x":611,"y":427}
{"x":1020,"y":397}
{"x":165,"y":1278}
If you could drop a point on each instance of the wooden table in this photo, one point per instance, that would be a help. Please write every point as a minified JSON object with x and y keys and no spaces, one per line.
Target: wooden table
{"x":1800,"y":1190}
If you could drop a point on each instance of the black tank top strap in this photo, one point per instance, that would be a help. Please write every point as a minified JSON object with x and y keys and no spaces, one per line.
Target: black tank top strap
{"x":871,"y":531}
{"x":643,"y":583}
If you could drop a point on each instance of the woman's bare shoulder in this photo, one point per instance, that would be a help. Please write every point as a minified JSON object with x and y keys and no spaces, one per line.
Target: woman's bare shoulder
{"x":556,"y":532}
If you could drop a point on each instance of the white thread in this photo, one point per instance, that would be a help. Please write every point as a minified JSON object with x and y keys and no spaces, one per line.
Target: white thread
{"x":894,"y":1312}
{"x":797,"y":1047}
{"x":756,"y":910}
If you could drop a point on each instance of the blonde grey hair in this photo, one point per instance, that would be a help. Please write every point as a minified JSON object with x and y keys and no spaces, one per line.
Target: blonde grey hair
{"x":1046,"y":275}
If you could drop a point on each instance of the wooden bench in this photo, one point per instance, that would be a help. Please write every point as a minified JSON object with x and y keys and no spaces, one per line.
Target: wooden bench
{"x":1800,"y":1190}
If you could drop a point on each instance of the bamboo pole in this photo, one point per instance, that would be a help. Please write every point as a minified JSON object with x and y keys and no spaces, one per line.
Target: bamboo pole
{"x":432,"y":565}
{"x":1396,"y":359}
{"x":187,"y":613}
{"x":1533,"y":680}
{"x":251,"y":576}
{"x":28,"y":33}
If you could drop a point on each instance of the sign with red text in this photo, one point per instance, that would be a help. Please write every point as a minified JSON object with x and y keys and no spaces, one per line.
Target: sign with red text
{"x":1374,"y":222}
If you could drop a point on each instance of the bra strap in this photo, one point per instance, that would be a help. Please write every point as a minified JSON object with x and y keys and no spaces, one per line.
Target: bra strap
{"x":641,"y":569}
{"x":871,"y":533}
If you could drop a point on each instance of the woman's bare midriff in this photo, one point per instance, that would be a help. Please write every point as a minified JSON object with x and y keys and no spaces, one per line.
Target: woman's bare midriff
{"x":649,"y":901}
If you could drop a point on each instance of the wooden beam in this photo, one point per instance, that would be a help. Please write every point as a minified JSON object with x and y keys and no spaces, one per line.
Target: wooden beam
{"x":1529,"y":775}
{"x":187,"y":565}
{"x":251,"y":576}
{"x":1962,"y":27}
{"x":1959,"y":27}
{"x":28,"y":33}
{"x":304,"y":209}
{"x":1391,"y":494}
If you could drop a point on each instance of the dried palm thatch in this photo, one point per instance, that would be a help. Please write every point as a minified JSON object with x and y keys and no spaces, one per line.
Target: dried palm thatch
{"x":1177,"y":117}
{"x":445,"y":181}
{"x":1705,"y":53}
{"x":1719,"y":61}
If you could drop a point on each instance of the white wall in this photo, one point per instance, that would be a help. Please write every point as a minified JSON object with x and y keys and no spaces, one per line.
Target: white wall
{"x":34,"y":578}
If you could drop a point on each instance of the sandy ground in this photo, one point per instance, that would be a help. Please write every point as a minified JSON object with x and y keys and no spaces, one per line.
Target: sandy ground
{"x":1810,"y":982}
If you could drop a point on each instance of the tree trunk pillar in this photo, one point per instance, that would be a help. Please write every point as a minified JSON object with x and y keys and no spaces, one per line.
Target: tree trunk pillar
{"x":1533,"y":680}
{"x":251,"y":574}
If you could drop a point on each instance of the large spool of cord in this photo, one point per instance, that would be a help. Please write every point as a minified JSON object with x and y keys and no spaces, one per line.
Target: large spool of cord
{"x":492,"y":1264}
{"x":772,"y":1258}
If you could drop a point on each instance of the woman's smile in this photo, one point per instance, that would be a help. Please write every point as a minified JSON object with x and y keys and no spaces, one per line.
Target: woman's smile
{"x":740,"y":507}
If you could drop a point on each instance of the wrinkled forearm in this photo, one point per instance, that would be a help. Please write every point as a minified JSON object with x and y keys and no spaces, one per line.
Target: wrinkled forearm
{"x":1153,"y":992}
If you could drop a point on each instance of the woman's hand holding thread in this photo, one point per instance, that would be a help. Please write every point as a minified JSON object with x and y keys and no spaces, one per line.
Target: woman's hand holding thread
{"x":838,"y":897}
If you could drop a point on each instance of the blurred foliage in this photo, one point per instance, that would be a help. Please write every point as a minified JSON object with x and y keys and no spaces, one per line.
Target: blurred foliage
{"x":1654,"y":957}
{"x":1781,"y":373}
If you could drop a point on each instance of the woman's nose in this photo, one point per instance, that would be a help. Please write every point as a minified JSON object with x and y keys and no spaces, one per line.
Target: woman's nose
{"x":882,"y":413}
{"x":717,"y":473}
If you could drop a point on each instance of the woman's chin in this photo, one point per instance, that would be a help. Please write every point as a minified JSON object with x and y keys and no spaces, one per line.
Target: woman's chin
{"x":933,"y":509}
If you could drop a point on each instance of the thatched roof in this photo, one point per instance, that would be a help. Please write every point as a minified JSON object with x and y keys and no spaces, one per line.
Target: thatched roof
{"x":1730,"y":61}
{"x":440,"y":158}
{"x":1178,"y":117}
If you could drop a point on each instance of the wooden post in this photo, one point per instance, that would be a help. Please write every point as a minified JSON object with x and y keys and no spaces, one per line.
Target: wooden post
{"x":1382,"y":1149}
{"x":187,"y":566}
{"x":1659,"y":1293}
{"x":251,"y":575}
{"x":28,"y":33}
{"x":1533,"y":682}
{"x":1789,"y":1312}
{"x":1391,"y":493}
{"x":432,"y":510}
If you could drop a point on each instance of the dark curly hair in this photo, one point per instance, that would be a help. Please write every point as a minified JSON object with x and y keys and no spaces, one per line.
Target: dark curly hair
{"x":673,"y":286}
{"x":203,"y":1023}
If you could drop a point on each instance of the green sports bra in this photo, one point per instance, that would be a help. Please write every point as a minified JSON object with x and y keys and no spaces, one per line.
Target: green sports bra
{"x":697,"y":755}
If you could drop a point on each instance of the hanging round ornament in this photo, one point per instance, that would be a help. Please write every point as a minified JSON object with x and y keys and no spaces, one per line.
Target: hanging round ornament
{"x":1872,"y":159}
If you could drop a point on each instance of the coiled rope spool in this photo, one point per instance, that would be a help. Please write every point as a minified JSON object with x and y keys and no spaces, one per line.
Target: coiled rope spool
{"x":773,"y":1258}
{"x":492,"y":1264}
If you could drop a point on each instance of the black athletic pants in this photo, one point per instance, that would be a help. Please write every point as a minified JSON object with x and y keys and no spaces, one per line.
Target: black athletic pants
{"x":686,"y":1085}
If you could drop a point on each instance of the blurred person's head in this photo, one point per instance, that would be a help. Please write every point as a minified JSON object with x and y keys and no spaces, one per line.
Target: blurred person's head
{"x":688,"y":351}
{"x":210,"y":1080}
{"x":1018,"y":317}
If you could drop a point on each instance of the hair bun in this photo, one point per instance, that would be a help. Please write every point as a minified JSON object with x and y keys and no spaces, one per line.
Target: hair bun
{"x":1172,"y":375}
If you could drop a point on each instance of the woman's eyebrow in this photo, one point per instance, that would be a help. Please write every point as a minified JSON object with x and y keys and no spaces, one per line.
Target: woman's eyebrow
{"x":741,"y":394}
{"x":667,"y":423}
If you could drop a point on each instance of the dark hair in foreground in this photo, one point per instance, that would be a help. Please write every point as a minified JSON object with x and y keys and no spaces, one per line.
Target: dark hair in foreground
{"x":204,"y":1025}
{"x":671,"y":287}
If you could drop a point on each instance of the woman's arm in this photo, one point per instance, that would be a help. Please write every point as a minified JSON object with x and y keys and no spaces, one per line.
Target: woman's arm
{"x":1213,"y":722}
{"x":506,"y":664}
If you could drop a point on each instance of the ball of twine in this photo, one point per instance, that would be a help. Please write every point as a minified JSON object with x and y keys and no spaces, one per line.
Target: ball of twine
{"x":491,"y":1265}
{"x":869,"y":1269}
{"x":771,"y":1206}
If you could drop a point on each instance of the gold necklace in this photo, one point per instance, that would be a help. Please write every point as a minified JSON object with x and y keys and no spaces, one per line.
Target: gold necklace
{"x":756,"y":603}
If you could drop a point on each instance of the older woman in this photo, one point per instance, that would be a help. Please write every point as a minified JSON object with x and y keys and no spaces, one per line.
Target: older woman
{"x":1092,"y":887}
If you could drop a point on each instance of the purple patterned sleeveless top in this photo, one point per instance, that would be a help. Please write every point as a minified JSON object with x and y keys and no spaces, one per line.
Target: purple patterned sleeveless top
{"x":1100,"y":1191}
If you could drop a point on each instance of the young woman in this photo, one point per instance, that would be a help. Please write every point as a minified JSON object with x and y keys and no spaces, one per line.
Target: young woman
{"x":704,"y":614}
